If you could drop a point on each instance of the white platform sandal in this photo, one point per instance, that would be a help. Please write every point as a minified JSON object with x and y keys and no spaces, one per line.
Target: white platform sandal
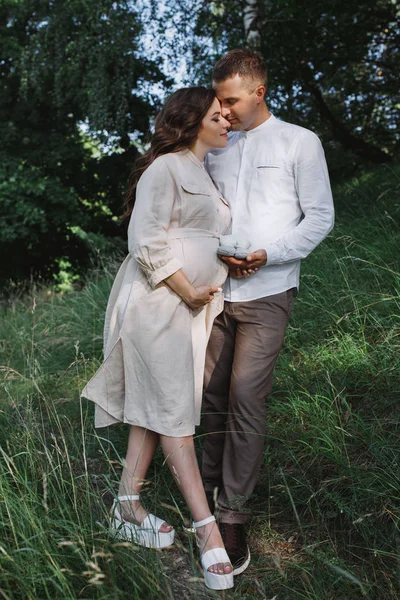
{"x":214,"y":581}
{"x":146,"y":534}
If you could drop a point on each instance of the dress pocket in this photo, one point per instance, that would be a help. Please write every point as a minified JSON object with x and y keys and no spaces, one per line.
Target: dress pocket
{"x":195,"y":189}
{"x":198,"y":203}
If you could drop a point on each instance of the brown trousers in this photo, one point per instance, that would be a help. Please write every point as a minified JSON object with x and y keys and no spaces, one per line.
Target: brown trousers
{"x":245,"y":342}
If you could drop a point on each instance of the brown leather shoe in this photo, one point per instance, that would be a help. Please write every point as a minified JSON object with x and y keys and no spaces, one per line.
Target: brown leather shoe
{"x":234,"y":537}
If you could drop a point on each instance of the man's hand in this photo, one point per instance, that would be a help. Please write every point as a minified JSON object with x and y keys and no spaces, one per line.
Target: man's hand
{"x":237,"y":273}
{"x":248,"y":266}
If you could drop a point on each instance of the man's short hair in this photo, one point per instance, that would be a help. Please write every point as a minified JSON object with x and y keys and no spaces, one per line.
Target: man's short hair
{"x":243,"y":62}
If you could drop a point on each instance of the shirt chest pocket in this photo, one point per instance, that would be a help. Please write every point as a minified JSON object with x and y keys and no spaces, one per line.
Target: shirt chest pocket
{"x":273,"y":171}
{"x":198,"y":204}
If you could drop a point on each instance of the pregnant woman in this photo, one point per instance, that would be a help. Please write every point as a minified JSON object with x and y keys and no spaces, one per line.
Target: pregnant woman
{"x":159,"y":316}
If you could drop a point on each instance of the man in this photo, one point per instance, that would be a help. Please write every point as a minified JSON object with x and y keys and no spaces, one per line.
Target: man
{"x":275,"y":178}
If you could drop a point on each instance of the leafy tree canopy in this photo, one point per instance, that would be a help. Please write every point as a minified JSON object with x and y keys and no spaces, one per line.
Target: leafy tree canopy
{"x":69,"y":70}
{"x":332,"y":67}
{"x":80,"y":82}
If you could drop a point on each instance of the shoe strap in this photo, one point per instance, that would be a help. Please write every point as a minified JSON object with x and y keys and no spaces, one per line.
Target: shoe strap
{"x":152,"y":523}
{"x":206,"y":521}
{"x":214,"y":556}
{"x":126,"y":498}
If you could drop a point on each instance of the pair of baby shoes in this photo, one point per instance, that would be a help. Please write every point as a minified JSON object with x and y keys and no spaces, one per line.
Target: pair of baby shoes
{"x":230,"y":245}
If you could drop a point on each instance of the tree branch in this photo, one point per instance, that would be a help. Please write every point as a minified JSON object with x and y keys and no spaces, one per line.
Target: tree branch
{"x":348,"y":140}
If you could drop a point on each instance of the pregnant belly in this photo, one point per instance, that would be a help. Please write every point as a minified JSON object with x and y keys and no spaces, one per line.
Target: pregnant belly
{"x":199,"y":259}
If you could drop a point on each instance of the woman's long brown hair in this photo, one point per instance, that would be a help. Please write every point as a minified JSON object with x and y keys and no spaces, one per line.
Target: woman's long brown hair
{"x":176,"y":128}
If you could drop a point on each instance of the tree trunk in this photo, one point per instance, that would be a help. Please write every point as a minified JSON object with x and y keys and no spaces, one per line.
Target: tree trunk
{"x":340,"y":132}
{"x":251,"y":21}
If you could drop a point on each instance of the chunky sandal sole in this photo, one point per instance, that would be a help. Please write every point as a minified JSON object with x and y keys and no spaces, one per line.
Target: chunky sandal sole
{"x":218,"y":582}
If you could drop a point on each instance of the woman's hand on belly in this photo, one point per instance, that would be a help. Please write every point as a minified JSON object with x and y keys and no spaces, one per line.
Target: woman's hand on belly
{"x":202,"y":295}
{"x":194,"y":297}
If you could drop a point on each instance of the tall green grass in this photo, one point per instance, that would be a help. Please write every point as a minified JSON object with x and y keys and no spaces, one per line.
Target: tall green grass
{"x":326,"y":509}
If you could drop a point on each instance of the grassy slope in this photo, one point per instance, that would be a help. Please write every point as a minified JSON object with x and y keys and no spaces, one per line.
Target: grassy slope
{"x":326,"y":507}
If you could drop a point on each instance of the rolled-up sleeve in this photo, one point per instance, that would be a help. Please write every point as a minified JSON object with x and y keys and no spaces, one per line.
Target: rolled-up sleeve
{"x":150,"y":221}
{"x":315,"y":198}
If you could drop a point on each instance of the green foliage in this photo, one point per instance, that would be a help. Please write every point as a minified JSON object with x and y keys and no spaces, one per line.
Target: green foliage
{"x":69,"y":71}
{"x":326,"y":509}
{"x":332,"y":68}
{"x":81,"y":81}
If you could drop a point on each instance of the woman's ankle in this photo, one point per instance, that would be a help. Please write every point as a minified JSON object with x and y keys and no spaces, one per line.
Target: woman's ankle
{"x":132,"y":510}
{"x":209,"y":536}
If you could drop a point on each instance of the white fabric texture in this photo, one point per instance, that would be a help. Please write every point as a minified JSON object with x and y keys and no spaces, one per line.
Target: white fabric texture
{"x":154,"y":344}
{"x":276,"y":181}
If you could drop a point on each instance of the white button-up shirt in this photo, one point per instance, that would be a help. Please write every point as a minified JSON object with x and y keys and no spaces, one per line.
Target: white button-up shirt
{"x":276,"y":181}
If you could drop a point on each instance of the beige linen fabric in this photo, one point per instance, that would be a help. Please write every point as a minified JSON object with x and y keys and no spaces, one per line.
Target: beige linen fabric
{"x":154,"y":344}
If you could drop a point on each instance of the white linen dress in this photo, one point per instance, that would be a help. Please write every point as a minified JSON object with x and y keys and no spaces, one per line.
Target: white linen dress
{"x":154,"y":344}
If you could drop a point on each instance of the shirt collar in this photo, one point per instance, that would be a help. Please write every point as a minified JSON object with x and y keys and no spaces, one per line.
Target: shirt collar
{"x":260,"y":127}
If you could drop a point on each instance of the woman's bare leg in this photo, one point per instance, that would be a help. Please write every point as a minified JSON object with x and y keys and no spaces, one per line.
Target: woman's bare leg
{"x":181,"y":457}
{"x":142,"y":445}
